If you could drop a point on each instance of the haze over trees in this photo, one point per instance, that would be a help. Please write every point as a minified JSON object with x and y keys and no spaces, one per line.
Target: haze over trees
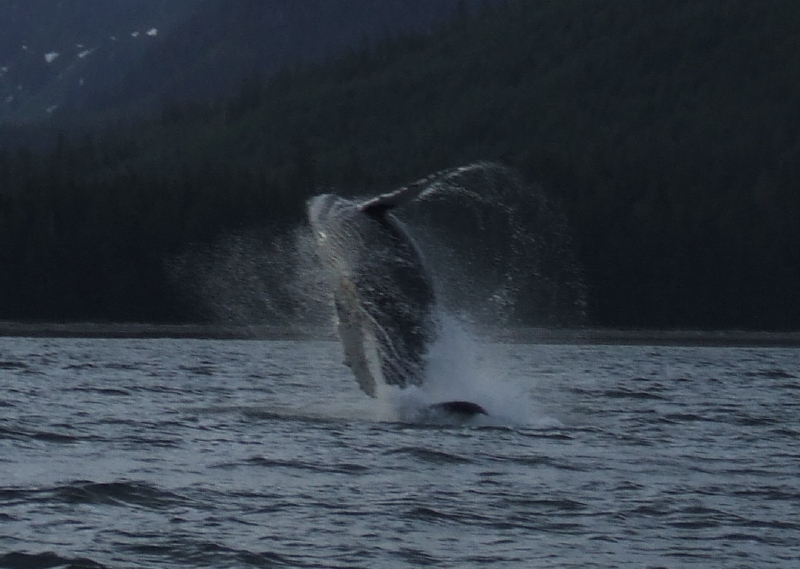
{"x":667,"y":132}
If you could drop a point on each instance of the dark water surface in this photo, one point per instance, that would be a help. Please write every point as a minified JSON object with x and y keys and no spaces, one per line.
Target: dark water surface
{"x":209,"y":453}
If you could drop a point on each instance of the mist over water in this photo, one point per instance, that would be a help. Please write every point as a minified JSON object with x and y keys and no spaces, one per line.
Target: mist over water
{"x":250,"y":278}
{"x":499,"y":254}
{"x":498,"y":249}
{"x":501,"y":251}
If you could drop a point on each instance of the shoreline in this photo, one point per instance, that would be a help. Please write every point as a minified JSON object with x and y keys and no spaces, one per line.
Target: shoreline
{"x":520,"y":335}
{"x":156,"y":331}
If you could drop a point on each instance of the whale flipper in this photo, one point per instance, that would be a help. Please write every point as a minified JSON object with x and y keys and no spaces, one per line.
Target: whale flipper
{"x":354,"y":335}
{"x":409,"y":193}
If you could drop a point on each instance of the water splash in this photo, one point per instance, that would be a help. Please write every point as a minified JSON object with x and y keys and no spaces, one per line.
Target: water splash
{"x":459,"y":368}
{"x":502,"y":250}
{"x":500,"y":255}
{"x":247,"y":278}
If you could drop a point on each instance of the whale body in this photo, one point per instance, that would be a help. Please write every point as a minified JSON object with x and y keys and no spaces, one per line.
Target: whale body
{"x":382,"y":289}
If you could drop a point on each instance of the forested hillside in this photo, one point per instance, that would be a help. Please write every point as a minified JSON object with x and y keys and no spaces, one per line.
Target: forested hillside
{"x":667,"y":132}
{"x":129,"y":56}
{"x":207,"y":56}
{"x":55,"y":54}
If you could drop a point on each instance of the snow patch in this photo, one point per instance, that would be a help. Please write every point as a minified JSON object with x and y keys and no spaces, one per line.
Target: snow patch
{"x":51,"y":57}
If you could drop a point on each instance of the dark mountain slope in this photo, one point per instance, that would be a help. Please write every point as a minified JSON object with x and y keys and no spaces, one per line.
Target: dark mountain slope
{"x":667,"y":131}
{"x":129,"y":55}
{"x":56,"y":53}
{"x":227,"y":41}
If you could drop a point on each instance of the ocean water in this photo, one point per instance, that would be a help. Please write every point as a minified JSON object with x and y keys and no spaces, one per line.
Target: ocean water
{"x":251,"y":453}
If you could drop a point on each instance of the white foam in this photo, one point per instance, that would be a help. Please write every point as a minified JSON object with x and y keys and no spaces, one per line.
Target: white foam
{"x":460,"y":368}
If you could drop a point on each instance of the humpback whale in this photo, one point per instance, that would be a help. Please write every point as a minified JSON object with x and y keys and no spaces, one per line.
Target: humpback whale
{"x":382,"y":290}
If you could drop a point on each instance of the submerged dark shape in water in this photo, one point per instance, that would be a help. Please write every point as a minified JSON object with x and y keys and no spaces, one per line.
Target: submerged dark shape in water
{"x":383,"y":292}
{"x":449,"y":413}
{"x":466,"y":409}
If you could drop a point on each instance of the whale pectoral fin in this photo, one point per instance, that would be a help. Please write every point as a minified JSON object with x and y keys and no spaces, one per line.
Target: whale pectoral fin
{"x":353,"y":338}
{"x":355,"y":358}
{"x":396,"y":198}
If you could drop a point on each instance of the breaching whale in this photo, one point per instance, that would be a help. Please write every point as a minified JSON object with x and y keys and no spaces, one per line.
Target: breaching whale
{"x":382,"y":290}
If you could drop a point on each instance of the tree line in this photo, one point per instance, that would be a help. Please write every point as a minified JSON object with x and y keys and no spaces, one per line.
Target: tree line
{"x":665,"y":131}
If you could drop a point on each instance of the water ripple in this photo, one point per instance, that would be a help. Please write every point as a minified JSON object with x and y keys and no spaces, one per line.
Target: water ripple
{"x":18,"y":560}
{"x":345,"y":468}
{"x":428,"y":455}
{"x":192,"y":454}
{"x":116,"y":494}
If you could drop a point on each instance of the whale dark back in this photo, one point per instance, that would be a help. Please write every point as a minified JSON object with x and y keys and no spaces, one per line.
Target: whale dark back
{"x":383,"y":290}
